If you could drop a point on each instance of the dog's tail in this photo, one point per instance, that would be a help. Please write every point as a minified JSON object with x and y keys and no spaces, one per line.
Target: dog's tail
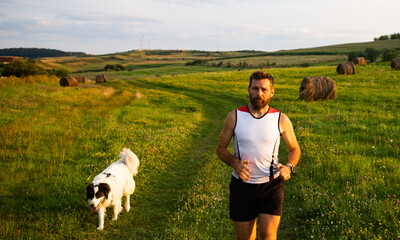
{"x":130,"y":159}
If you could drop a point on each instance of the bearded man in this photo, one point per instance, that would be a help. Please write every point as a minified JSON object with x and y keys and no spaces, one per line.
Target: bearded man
{"x":256,"y":188}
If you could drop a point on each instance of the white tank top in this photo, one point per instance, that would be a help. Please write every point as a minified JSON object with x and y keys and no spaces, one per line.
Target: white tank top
{"x":257,"y":140}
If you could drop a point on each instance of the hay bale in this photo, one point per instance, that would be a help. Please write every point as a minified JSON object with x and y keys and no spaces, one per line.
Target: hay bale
{"x":101,"y":78}
{"x":81,"y":79}
{"x":395,"y":64}
{"x":68,"y":81}
{"x":317,"y":88}
{"x":346,"y":68}
{"x":360,"y":61}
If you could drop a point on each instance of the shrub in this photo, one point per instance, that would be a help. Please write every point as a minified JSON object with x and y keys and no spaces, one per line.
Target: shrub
{"x":305,"y":64}
{"x":388,"y":55}
{"x":22,"y":69}
{"x":115,"y":67}
{"x":372,"y":54}
{"x":58,"y":72}
{"x":196,"y":62}
{"x":355,"y":54}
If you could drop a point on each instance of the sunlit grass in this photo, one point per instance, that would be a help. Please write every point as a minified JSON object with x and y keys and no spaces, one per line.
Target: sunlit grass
{"x":54,"y":140}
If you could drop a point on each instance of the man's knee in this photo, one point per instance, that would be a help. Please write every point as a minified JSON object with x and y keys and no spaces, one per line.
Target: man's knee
{"x":267,"y":235}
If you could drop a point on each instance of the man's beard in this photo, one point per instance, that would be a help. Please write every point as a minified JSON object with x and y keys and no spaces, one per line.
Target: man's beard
{"x":259,"y":103}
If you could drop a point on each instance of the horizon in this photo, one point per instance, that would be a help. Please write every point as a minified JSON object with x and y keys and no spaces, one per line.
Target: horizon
{"x":242,"y":50}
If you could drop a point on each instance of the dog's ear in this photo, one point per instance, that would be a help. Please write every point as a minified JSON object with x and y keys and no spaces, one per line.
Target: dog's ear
{"x":90,"y":191}
{"x":104,"y":187}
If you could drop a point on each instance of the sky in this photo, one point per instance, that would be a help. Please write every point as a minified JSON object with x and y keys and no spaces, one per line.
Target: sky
{"x":110,"y":26}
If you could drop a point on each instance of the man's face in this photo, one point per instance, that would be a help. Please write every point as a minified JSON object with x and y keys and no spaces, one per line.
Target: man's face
{"x":260,"y":93}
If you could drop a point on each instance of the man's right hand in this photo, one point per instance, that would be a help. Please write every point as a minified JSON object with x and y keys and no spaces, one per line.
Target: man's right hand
{"x":243,"y":170}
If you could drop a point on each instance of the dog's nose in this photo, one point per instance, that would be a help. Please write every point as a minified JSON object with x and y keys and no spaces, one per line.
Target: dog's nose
{"x":92,"y":205}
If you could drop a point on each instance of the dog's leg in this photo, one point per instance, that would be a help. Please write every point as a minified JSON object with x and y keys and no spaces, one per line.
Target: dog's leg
{"x":117,"y":210}
{"x":127,"y":204}
{"x":101,"y":212}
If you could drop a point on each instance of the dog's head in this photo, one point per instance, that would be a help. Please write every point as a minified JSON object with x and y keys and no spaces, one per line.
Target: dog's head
{"x":95,"y":194}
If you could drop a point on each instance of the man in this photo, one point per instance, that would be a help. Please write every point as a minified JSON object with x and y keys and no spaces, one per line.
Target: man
{"x":256,"y":188}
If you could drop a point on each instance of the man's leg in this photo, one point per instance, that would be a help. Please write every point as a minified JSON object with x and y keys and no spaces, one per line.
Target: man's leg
{"x":246,"y":230}
{"x":268,"y":226}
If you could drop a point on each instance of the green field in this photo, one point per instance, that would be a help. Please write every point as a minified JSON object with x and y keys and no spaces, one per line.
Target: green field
{"x":149,"y":63}
{"x":348,"y":47}
{"x":54,"y":140}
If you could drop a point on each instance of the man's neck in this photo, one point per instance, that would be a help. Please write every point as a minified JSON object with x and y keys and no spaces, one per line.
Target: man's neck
{"x":258,"y":113}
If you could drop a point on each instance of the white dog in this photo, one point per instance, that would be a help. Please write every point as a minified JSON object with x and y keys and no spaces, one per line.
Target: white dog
{"x":116,"y":181}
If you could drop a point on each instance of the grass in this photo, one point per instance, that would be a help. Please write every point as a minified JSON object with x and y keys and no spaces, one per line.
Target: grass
{"x":54,"y":140}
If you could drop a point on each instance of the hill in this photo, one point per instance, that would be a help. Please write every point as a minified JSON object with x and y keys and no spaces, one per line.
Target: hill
{"x":161,"y":62}
{"x":345,"y":48}
{"x":37,"y":52}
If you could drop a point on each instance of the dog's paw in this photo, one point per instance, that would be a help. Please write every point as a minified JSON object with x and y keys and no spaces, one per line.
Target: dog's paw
{"x":100,"y":228}
{"x":127,"y":208}
{"x":114,"y":218}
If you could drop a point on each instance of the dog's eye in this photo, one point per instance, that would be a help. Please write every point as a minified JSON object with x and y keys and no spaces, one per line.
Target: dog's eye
{"x":98,"y":195}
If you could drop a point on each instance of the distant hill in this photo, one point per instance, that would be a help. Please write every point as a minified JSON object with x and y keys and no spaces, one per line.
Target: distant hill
{"x":37,"y":52}
{"x":344,"y":48}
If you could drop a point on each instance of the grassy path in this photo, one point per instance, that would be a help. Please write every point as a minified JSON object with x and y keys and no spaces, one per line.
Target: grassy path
{"x":172,"y":188}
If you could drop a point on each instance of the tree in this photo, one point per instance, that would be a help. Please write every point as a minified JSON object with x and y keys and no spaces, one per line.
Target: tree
{"x":388,"y":55}
{"x":22,"y":69}
{"x":372,"y":54}
{"x":356,"y":54}
{"x":383,"y":37}
{"x":395,"y":36}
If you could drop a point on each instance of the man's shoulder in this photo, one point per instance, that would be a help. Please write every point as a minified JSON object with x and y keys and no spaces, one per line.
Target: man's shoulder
{"x":272,"y":110}
{"x":243,"y":109}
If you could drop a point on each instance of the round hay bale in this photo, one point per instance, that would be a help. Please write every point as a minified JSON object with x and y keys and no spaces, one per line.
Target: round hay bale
{"x":81,"y":79}
{"x":317,"y":88}
{"x":101,"y":78}
{"x":346,"y":68}
{"x":395,"y":64}
{"x":360,"y":61}
{"x":68,"y":81}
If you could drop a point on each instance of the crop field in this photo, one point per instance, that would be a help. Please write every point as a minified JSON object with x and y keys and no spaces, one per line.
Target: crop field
{"x":285,"y":60}
{"x":55,"y":140}
{"x":344,"y":48}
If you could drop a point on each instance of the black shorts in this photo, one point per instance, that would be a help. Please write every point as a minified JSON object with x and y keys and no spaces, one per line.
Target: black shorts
{"x":248,"y":200}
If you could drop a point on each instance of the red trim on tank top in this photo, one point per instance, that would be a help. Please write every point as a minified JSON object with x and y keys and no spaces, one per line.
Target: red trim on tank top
{"x":243,"y":109}
{"x":246,"y":109}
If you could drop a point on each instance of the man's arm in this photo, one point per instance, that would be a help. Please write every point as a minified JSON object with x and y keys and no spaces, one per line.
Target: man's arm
{"x":225,"y":138}
{"x":291,"y":142}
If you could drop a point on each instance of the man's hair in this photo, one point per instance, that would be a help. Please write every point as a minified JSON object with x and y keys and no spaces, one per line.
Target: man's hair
{"x":258,"y":75}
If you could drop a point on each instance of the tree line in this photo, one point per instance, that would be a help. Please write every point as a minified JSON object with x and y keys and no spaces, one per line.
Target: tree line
{"x":388,"y":37}
{"x":35,"y":53}
{"x":372,"y":54}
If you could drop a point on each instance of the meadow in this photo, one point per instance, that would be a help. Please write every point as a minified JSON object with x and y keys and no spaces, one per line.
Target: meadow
{"x":54,"y":140}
